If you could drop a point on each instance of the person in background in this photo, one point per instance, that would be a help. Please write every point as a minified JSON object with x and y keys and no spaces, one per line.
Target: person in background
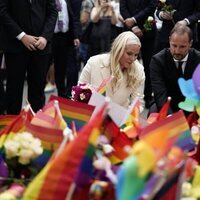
{"x":86,"y":9}
{"x":135,"y":13}
{"x":118,"y":27}
{"x":179,"y":60}
{"x":185,"y":12}
{"x":27,"y":29}
{"x":65,"y":44}
{"x":121,"y":64}
{"x":103,"y":17}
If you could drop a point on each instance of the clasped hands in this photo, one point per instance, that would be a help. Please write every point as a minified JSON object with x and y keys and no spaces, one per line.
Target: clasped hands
{"x":34,"y":43}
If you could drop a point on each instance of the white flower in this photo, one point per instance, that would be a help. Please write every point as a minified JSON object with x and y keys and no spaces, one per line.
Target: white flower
{"x":25,"y":156}
{"x":27,"y":136}
{"x":150,"y":19}
{"x":24,"y":146}
{"x":11,"y":148}
{"x":163,"y":1}
{"x":35,"y":146}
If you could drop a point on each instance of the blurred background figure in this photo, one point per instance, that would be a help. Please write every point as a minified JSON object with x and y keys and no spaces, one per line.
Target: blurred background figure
{"x":103,"y":17}
{"x":185,"y":12}
{"x":118,"y":27}
{"x":65,"y":45}
{"x":135,"y":13}
{"x":86,"y":9}
{"x":27,"y":29}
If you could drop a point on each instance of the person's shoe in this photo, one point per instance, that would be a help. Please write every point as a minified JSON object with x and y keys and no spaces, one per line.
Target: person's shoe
{"x":49,"y":88}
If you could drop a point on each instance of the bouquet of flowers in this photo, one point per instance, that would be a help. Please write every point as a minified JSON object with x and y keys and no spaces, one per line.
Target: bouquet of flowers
{"x":20,"y":152}
{"x":148,"y":24}
{"x":81,"y":93}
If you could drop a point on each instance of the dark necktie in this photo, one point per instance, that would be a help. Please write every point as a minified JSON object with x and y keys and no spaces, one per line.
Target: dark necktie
{"x":180,"y":71}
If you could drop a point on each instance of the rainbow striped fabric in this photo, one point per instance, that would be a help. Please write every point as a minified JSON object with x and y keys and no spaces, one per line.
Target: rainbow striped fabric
{"x":60,"y":178}
{"x":71,"y":111}
{"x":173,"y":130}
{"x":6,"y":120}
{"x":15,"y":126}
{"x":48,"y":126}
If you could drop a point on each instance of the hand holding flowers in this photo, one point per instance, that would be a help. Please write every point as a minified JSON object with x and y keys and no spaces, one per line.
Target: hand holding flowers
{"x":148,"y":24}
{"x":167,"y":10}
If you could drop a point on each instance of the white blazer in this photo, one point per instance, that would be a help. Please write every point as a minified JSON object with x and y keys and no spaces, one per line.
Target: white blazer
{"x":97,"y":69}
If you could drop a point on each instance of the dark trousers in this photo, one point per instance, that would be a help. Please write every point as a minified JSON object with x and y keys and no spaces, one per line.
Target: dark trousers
{"x":65,"y":64}
{"x":19,"y":66}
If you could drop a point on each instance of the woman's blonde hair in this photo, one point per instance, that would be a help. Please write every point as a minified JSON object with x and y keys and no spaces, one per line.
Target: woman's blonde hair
{"x":117,"y":50}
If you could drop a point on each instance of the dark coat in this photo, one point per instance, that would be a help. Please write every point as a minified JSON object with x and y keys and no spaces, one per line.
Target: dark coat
{"x":37,"y":18}
{"x":189,"y":9}
{"x":164,"y":77}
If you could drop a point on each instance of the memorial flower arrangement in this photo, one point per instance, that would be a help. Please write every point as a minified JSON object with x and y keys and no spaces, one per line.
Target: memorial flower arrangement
{"x":148,"y":24}
{"x":20,"y":151}
{"x":81,"y":93}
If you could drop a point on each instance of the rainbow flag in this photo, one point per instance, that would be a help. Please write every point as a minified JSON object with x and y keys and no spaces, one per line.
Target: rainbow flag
{"x":102,"y":88}
{"x":153,"y":117}
{"x":78,"y":112}
{"x":50,"y":116}
{"x":48,"y":126}
{"x":119,"y":141}
{"x":16,"y":125}
{"x":60,"y":178}
{"x":173,"y":130}
{"x":6,"y":120}
{"x":50,"y":138}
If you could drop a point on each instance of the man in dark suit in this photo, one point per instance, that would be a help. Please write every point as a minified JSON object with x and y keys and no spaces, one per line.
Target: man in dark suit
{"x":65,"y":46}
{"x":135,"y":12}
{"x":180,"y":60}
{"x":185,"y":12}
{"x":27,"y":29}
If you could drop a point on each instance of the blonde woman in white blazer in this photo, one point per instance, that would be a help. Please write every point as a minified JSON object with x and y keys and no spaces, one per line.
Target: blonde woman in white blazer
{"x":122,"y":65}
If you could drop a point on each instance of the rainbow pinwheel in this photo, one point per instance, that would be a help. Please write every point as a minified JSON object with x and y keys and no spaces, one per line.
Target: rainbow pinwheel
{"x":191,"y":90}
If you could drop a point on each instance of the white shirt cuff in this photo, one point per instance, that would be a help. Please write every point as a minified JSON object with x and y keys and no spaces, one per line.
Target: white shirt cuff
{"x":188,"y":22}
{"x":21,"y":35}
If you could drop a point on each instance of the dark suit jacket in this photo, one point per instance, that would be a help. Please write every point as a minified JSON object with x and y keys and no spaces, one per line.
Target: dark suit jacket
{"x":36,"y":18}
{"x":139,"y":9}
{"x":189,"y":9}
{"x":74,"y":32}
{"x":164,"y":76}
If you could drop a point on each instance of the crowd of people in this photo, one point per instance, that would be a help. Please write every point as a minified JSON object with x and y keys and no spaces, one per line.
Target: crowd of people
{"x":138,"y":44}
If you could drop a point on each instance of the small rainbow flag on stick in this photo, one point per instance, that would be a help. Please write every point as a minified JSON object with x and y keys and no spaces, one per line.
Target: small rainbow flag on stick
{"x":78,"y":112}
{"x":102,"y":88}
